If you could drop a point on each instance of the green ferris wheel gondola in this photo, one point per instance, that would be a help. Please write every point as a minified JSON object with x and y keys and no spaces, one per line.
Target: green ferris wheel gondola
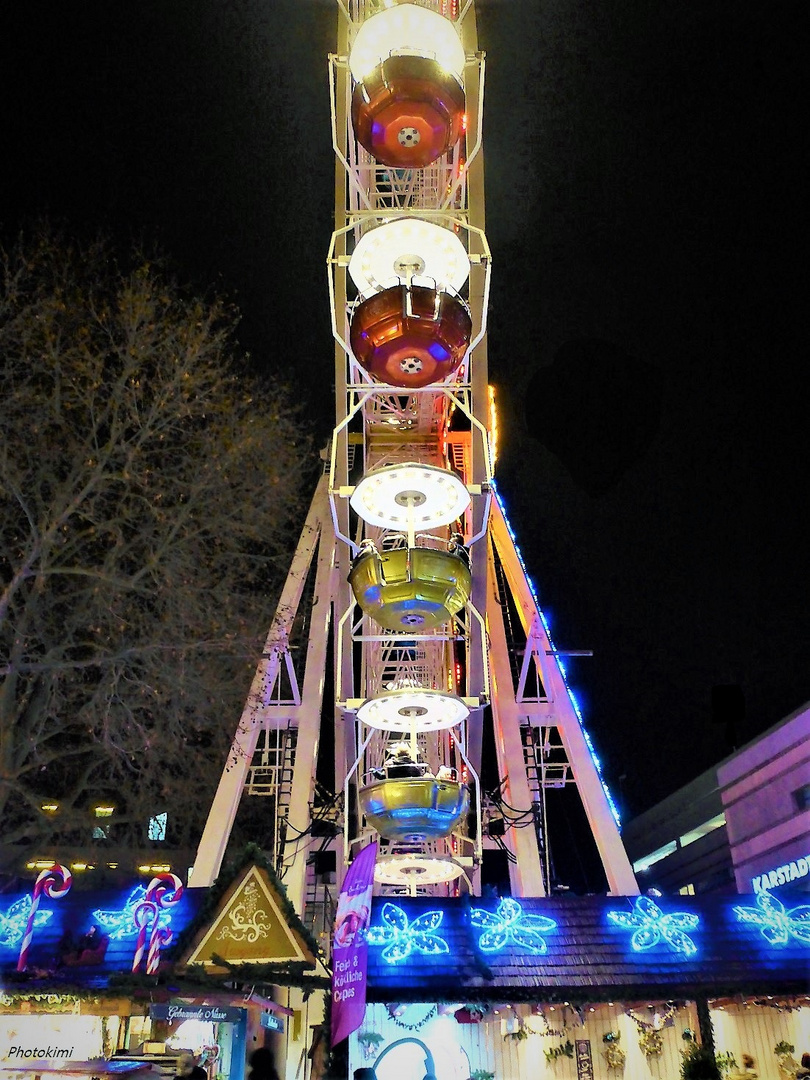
{"x":411,"y":588}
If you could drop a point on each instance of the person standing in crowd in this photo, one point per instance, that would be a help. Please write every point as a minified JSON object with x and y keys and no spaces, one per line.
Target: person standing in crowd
{"x":188,"y":1069}
{"x":262,"y":1066}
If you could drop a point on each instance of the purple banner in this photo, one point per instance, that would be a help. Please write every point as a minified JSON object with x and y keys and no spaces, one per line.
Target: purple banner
{"x":349,"y":950}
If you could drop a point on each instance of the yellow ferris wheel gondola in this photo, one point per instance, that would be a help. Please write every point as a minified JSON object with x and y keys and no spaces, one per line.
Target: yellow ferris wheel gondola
{"x":416,"y":809}
{"x":411,"y":588}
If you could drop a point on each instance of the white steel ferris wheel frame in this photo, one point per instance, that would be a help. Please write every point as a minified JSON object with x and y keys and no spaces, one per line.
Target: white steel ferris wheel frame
{"x":403,"y":425}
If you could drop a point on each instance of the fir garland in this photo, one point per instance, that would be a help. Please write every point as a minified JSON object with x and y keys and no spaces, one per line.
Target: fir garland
{"x":419,"y":1024}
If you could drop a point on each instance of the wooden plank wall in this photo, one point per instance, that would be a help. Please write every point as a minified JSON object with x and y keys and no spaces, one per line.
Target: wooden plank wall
{"x":754,"y":1030}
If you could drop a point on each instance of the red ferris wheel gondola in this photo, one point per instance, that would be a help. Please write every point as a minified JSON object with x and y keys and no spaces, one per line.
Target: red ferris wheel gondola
{"x":408,"y":112}
{"x":411,"y":336}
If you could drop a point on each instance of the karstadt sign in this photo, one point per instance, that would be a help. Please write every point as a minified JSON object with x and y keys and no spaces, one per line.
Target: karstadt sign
{"x":785,"y":874}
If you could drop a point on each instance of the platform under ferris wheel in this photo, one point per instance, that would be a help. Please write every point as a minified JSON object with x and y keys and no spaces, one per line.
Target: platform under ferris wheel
{"x":408,"y":636}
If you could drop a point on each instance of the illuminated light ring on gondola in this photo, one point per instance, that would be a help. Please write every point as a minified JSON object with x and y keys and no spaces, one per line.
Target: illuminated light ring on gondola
{"x":408,"y":250}
{"x":408,"y":111}
{"x":415,"y":809}
{"x":415,"y":870}
{"x":411,"y":336}
{"x":410,"y":709}
{"x":410,"y":588}
{"x":400,"y":496}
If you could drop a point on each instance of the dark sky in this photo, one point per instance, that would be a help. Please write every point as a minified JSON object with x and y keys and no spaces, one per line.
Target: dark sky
{"x":642,"y":179}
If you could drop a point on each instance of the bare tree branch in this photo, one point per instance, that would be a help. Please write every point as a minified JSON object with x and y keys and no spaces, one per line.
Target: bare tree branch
{"x":148,"y":492}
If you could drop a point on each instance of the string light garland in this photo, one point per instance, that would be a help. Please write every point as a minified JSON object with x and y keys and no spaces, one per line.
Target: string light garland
{"x":418,"y":1024}
{"x":659,"y":1020}
{"x":557,"y":1033}
{"x":650,"y":1040}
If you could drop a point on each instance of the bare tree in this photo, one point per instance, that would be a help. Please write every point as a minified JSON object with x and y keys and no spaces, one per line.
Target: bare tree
{"x":148,"y":491}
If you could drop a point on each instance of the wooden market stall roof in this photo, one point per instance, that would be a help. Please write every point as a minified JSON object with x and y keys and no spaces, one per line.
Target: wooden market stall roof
{"x":587,"y":948}
{"x":242,"y":928}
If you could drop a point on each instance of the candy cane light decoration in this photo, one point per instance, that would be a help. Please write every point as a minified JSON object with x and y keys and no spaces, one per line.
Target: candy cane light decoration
{"x":55,"y":882}
{"x":163,"y":892}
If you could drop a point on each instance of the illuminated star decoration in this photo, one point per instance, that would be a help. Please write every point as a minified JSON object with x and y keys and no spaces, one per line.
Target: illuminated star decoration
{"x":509,"y":923}
{"x":13,"y":922}
{"x":121,"y":924}
{"x":776,"y":924}
{"x":650,"y":925}
{"x":401,"y":938}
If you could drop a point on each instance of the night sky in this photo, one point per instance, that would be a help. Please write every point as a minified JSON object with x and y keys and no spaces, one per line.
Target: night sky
{"x":642,"y":178}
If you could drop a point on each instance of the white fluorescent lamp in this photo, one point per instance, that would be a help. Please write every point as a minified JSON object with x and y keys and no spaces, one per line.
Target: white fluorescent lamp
{"x":406,"y":30}
{"x":408,"y":710}
{"x":408,"y":249}
{"x":410,"y":495}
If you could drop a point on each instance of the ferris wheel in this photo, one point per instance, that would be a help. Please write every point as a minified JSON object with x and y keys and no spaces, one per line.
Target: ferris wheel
{"x":408,"y":638}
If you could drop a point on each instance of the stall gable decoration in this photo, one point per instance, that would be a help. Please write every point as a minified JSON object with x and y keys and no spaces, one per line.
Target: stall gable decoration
{"x":250,"y":928}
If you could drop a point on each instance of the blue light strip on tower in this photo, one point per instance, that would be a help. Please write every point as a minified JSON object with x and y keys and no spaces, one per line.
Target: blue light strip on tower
{"x":613,"y":808}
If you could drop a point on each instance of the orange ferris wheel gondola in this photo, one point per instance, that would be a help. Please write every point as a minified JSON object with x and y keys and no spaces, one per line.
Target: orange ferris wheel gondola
{"x":411,"y":336}
{"x":408,"y":112}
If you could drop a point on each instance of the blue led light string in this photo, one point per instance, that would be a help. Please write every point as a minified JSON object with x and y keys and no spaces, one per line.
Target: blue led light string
{"x":120,"y":924}
{"x":776,"y":923}
{"x":14,"y":919}
{"x":510,"y":925}
{"x":650,"y":925}
{"x":561,"y":668}
{"x":400,"y":937}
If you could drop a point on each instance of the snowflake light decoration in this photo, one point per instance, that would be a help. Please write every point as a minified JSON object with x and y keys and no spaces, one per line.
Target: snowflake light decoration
{"x":777,"y":925}
{"x":650,"y":926}
{"x":401,"y":937}
{"x":120,"y":924}
{"x":510,"y":924}
{"x":15,"y":918}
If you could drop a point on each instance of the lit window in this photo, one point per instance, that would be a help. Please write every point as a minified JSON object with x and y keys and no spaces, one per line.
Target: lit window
{"x":687,"y":890}
{"x":157,"y":827}
{"x":703,"y":830}
{"x":647,"y":861}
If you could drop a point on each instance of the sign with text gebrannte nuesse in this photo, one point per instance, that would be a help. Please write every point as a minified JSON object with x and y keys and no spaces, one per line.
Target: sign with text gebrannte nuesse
{"x":349,"y":949}
{"x":216,"y":1014}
